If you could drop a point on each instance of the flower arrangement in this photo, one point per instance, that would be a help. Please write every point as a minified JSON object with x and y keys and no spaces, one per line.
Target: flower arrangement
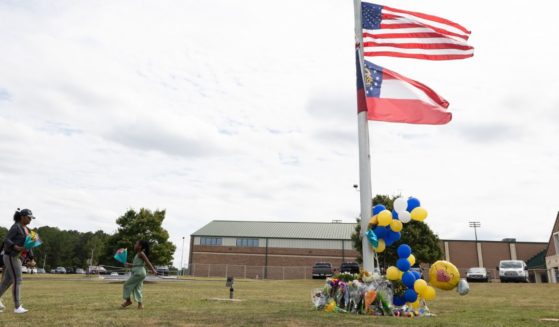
{"x":32,"y":240}
{"x":121,"y":255}
{"x":364,"y":293}
{"x":346,"y":276}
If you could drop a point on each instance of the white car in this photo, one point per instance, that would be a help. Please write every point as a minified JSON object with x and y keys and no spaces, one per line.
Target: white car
{"x":477,"y":274}
{"x":114,"y":273}
{"x":513,"y":271}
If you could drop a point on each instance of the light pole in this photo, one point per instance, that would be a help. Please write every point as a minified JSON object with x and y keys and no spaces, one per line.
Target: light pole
{"x":182,"y":255}
{"x":475,"y":224}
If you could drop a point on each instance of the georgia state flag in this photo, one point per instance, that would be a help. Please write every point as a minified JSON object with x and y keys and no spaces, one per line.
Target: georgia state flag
{"x":388,"y":96}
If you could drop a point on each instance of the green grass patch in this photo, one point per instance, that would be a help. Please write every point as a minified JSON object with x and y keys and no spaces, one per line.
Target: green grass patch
{"x":81,"y":301}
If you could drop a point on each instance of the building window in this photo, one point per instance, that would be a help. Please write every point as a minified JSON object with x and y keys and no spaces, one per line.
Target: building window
{"x":211,"y":240}
{"x":247,"y":242}
{"x":556,"y":242}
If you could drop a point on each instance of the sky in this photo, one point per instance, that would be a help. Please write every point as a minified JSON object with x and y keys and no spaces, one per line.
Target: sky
{"x":246,"y":110}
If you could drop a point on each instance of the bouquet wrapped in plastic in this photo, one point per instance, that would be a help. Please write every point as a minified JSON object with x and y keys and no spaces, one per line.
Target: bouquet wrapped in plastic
{"x":32,"y":240}
{"x":121,"y":255}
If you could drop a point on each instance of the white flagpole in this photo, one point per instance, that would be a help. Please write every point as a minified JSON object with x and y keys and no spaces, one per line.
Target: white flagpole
{"x":364,"y":155}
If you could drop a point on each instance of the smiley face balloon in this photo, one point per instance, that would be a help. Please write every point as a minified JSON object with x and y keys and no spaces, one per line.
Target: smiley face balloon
{"x":444,"y":275}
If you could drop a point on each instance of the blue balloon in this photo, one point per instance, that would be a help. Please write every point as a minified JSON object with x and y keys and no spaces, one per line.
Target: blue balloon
{"x":388,"y":242}
{"x":412,"y":204}
{"x":378,"y":208}
{"x":399,"y":300}
{"x":381,"y":231}
{"x":404,"y":251}
{"x":416,"y":274}
{"x":410,"y":295}
{"x":408,"y":278}
{"x":394,"y":214}
{"x":403,"y":264}
{"x":392,"y":236}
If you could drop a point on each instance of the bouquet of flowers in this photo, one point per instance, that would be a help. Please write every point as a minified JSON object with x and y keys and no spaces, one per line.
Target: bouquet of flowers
{"x":32,"y":240}
{"x":121,"y":255}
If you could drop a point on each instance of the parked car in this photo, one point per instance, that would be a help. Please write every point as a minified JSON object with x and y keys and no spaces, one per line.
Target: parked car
{"x":513,"y":270}
{"x":52,"y":271}
{"x":60,"y":270}
{"x":322,"y":270}
{"x":80,"y":271}
{"x":162,"y":270}
{"x":24,"y":269}
{"x":96,"y":270}
{"x":114,"y":273}
{"x":70,"y":270}
{"x":41,"y":271}
{"x":350,"y":267}
{"x":477,"y":274}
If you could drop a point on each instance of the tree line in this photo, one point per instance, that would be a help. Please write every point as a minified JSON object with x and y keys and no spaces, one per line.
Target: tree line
{"x":71,"y":248}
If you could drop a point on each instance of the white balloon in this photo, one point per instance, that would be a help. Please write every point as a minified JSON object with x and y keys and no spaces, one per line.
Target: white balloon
{"x":463,"y":287}
{"x":404,"y":216}
{"x":400,"y":204}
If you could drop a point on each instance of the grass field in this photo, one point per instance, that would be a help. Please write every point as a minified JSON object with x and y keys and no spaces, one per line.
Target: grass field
{"x":55,"y":301}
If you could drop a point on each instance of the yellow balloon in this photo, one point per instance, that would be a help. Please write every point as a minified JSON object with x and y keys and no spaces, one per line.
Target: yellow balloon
{"x":384,"y":218}
{"x":411,"y":259}
{"x":396,"y":225}
{"x":444,"y":275}
{"x":429,"y":293}
{"x":393,"y":273}
{"x":420,"y":286}
{"x":373,"y":220}
{"x":418,"y":214}
{"x":381,"y":246}
{"x":415,"y":305}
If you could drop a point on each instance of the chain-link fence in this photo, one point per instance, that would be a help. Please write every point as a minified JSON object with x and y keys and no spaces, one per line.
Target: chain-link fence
{"x":278,"y":272}
{"x":250,"y":272}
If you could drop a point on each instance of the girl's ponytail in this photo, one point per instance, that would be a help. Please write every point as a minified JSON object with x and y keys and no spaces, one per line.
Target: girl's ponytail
{"x":17,"y":215}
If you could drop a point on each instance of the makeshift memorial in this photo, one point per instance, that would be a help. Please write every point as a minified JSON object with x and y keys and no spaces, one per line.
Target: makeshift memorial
{"x":402,"y":291}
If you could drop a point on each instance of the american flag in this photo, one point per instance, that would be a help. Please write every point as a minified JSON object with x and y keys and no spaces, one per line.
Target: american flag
{"x":400,"y":33}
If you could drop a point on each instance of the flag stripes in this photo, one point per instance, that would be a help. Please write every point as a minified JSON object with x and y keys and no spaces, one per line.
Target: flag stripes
{"x":400,"y":33}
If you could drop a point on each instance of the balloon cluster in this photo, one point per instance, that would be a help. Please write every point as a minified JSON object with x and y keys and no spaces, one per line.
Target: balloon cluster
{"x":385,"y":226}
{"x":416,"y":288}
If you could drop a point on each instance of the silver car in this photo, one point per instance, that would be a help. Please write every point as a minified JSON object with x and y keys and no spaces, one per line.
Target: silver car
{"x":477,"y":274}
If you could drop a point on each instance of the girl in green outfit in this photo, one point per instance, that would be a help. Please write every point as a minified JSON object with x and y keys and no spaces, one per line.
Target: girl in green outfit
{"x":135,"y":283}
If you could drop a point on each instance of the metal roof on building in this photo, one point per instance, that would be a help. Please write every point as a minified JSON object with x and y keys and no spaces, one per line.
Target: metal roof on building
{"x":277,"y":229}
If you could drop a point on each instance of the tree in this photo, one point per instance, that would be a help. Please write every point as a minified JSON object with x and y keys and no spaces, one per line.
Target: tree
{"x":3,"y":232}
{"x":66,"y":248}
{"x":140,"y":225}
{"x":93,"y":247}
{"x":417,"y":234}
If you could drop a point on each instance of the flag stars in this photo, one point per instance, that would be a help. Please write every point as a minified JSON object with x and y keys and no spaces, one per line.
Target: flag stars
{"x":373,"y":79}
{"x":372,"y":15}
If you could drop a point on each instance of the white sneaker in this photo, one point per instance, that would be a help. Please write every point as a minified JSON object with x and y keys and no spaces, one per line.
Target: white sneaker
{"x":20,"y":309}
{"x":2,"y":306}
